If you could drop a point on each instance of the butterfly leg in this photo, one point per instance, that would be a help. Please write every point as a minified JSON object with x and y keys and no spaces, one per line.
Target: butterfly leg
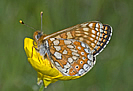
{"x":35,"y":49}
{"x":49,"y":61}
{"x":32,"y":50}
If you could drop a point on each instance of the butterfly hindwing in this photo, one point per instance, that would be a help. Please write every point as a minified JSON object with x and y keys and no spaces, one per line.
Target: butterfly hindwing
{"x":71,"y":57}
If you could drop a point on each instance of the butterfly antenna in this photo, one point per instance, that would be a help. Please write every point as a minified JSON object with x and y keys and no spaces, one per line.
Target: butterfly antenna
{"x":20,"y":21}
{"x":41,"y":19}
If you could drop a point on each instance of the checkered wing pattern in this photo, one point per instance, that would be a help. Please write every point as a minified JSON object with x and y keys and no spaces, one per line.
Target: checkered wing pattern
{"x":71,"y":57}
{"x":73,"y":50}
{"x":95,"y":34}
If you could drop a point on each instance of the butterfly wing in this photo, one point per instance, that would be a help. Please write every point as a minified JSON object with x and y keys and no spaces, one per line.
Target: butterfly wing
{"x":95,"y":34}
{"x":71,"y":57}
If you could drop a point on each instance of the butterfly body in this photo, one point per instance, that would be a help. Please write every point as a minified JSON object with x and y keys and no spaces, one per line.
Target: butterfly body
{"x":73,"y":50}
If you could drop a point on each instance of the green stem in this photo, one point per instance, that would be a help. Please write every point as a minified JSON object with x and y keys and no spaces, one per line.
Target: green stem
{"x":41,"y":87}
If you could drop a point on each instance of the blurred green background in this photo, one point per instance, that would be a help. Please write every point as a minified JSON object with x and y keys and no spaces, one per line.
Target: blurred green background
{"x":114,"y":68}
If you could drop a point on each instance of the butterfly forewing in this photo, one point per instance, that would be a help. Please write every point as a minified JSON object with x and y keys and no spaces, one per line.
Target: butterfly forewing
{"x":104,"y":39}
{"x":71,"y":57}
{"x":94,"y":34}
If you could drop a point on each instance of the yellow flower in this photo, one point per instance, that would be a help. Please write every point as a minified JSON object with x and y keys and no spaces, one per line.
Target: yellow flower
{"x":45,"y":70}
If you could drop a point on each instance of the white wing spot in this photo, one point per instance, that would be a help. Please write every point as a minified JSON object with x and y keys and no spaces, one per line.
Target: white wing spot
{"x":96,"y":29}
{"x":67,"y":42}
{"x":79,"y":47}
{"x":89,"y":57}
{"x":52,"y":61}
{"x":101,"y":26}
{"x":75,"y":54}
{"x":98,"y":43}
{"x":101,"y":30}
{"x":86,"y":29}
{"x":63,"y":70}
{"x":94,"y":62}
{"x":93,"y":36}
{"x":52,"y":39}
{"x":56,"y":42}
{"x":57,"y":55}
{"x":92,"y":44}
{"x":97,"y":25}
{"x":47,"y":45}
{"x":69,"y":35}
{"x":67,"y":65}
{"x":82,"y":53}
{"x":82,"y":44}
{"x":90,"y":25}
{"x":101,"y":35}
{"x":81,"y":39}
{"x":81,"y":71}
{"x":97,"y":33}
{"x":86,"y":33}
{"x":89,"y":62}
{"x":100,"y":39}
{"x":95,"y":41}
{"x":97,"y":37}
{"x":70,"y":46}
{"x":93,"y":31}
{"x":95,"y":47}
{"x":87,"y":50}
{"x":70,"y":60}
{"x":85,"y":36}
{"x":74,"y":57}
{"x":78,"y":34}
{"x":87,"y":46}
{"x":92,"y":51}
{"x":83,"y":58}
{"x":87,"y":41}
{"x":74,"y":50}
{"x":65,"y":52}
{"x":86,"y":67}
{"x":81,"y":62}
{"x":58,"y":48}
{"x":91,"y":39}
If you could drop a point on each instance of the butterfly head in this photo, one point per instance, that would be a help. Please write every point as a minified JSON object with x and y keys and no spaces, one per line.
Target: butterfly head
{"x":37,"y":35}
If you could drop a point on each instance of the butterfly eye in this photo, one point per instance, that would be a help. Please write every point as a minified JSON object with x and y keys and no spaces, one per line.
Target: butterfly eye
{"x":38,"y":35}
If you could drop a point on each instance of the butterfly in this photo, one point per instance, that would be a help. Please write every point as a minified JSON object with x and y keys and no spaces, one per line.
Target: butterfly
{"x":73,"y":50}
